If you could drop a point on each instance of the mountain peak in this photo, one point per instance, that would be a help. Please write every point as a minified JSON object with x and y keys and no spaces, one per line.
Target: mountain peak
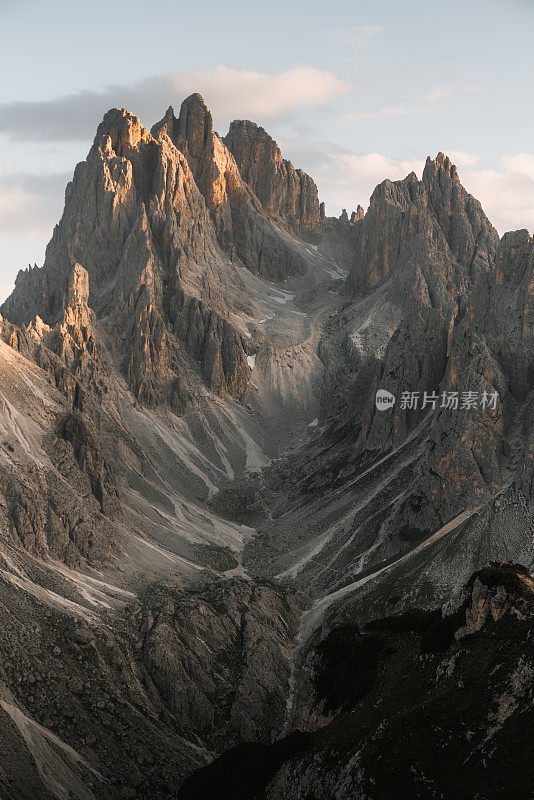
{"x":195,"y":124}
{"x":194,"y":99}
{"x":124,"y":129}
{"x":282,"y":189}
{"x":438,"y":166}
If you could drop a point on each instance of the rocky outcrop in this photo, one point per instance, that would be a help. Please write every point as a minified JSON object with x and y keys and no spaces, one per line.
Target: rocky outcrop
{"x":138,"y":189}
{"x":455,"y":728}
{"x":211,"y":341}
{"x":50,"y":515}
{"x":243,"y":228}
{"x":138,"y":259}
{"x":414,"y":229}
{"x":220,"y":657}
{"x":512,"y":303}
{"x":62,"y":377}
{"x":149,"y":353}
{"x":30,"y":297}
{"x":339,"y":235}
{"x":431,"y":246}
{"x":68,"y":351}
{"x":57,"y":512}
{"x":73,"y":429}
{"x":145,"y":229}
{"x":57,"y":496}
{"x":496,"y":590}
{"x":74,"y":339}
{"x":287,"y":194}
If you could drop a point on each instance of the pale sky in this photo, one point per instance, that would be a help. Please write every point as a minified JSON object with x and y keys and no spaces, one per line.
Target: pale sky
{"x":354,"y":92}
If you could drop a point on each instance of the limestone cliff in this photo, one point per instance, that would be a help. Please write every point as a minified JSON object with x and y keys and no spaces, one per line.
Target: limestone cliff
{"x":145,"y":227}
{"x":287,"y":194}
{"x":243,"y":227}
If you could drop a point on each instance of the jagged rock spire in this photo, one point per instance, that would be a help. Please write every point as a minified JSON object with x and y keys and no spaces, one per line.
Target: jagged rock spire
{"x":285,"y":192}
{"x":243,"y":222}
{"x":195,"y":125}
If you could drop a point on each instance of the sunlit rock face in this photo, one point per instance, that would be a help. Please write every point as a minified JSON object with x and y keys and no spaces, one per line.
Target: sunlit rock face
{"x":138,"y":225}
{"x":154,"y":220}
{"x":288,"y":195}
{"x":244,"y":219}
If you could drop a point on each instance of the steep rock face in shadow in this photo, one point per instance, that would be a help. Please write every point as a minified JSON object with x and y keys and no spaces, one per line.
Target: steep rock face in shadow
{"x":409,"y":219}
{"x":432,"y":244}
{"x":512,"y":307}
{"x":57,"y":495}
{"x":220,"y":657}
{"x":73,"y":428}
{"x":417,"y":705}
{"x":510,"y":332}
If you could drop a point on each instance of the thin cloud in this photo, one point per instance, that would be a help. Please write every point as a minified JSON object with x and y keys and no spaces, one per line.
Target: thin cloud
{"x":228,"y":92}
{"x":507,"y":195}
{"x":428,"y":103}
{"x":462,"y":159}
{"x":436,"y":94}
{"x":350,"y":179}
{"x":30,"y":204}
{"x":384,"y":113}
{"x":346,"y":179}
{"x":360,"y":36}
{"x":520,"y":164}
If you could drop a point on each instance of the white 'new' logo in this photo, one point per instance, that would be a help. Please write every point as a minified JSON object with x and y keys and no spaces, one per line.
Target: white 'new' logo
{"x":384,"y":400}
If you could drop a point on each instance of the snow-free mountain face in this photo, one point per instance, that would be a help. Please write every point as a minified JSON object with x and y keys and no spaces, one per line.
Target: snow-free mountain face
{"x":197,"y":481}
{"x":415,"y":705}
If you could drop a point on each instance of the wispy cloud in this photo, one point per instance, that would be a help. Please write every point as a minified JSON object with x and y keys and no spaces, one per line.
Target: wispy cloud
{"x":520,"y":164}
{"x":437,"y":94}
{"x":360,"y":36}
{"x":230,"y":93}
{"x":384,"y":113}
{"x":346,"y":179}
{"x":429,"y":102}
{"x":462,"y":159}
{"x":30,"y":204}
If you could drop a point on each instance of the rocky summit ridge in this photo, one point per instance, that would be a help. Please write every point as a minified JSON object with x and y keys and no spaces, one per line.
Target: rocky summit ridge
{"x":202,"y":508}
